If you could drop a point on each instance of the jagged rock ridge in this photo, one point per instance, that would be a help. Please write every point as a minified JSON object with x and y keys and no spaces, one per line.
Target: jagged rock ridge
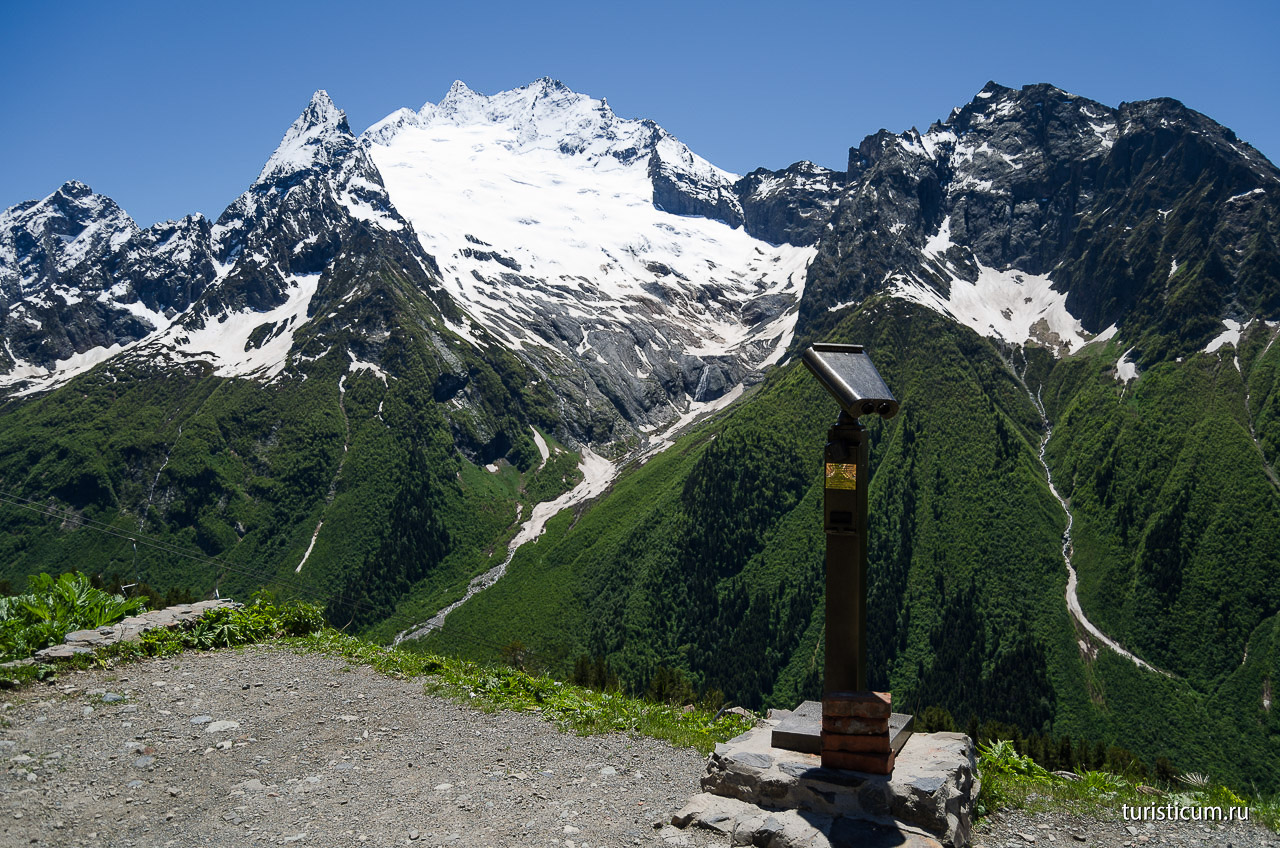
{"x":634,"y":312}
{"x":1084,"y":208}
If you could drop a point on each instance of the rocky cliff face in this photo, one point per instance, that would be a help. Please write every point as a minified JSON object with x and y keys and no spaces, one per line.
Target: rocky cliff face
{"x":791,"y":206}
{"x":608,"y":259}
{"x":55,"y":293}
{"x":311,"y":262}
{"x":1104,"y":206}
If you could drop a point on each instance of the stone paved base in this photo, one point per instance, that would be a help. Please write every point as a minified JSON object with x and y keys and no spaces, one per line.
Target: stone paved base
{"x":766,"y":796}
{"x":747,"y":824}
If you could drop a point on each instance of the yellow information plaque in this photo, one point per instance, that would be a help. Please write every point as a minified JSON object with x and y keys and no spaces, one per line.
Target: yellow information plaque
{"x":842,"y":475}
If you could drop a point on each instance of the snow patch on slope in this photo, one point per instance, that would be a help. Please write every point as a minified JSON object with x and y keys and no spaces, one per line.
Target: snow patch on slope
{"x":1229,"y":336}
{"x":543,"y":450}
{"x":1010,"y":305}
{"x":1106,"y":335}
{"x":64,"y":370}
{"x":358,"y":365}
{"x":1126,"y":370}
{"x":696,"y":411}
{"x":224,"y":340}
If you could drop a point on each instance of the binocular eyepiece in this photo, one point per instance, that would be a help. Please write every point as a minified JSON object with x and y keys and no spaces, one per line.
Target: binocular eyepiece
{"x":846,"y":372}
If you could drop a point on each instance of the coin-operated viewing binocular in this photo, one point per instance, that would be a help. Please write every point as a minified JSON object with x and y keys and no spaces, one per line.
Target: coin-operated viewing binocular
{"x":847,"y":373}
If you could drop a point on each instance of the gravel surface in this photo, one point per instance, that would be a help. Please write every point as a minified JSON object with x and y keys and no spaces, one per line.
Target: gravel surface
{"x":264,"y":746}
{"x":1058,"y":830}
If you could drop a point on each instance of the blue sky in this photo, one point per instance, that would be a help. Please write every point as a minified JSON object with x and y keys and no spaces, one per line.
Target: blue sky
{"x":173,"y":108}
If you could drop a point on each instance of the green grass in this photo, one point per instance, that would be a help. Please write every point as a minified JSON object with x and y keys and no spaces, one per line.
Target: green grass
{"x":1014,"y":781}
{"x":54,"y":607}
{"x":574,"y":709}
{"x":300,"y":628}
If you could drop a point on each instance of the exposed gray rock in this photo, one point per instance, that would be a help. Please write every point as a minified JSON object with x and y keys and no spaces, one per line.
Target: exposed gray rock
{"x":128,"y":630}
{"x":930,"y":792}
{"x":1042,"y":181}
{"x":793,"y":205}
{"x":748,"y":824}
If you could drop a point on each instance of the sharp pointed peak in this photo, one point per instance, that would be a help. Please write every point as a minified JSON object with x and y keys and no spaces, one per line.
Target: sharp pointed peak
{"x":318,"y":136}
{"x":460,"y":91}
{"x":74,"y":188}
{"x":75,"y":195}
{"x":321,"y":112}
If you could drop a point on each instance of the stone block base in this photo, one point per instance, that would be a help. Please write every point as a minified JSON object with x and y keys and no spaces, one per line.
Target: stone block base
{"x":855,"y":732}
{"x":868,"y":705}
{"x":930,"y":793}
{"x":859,"y":760}
{"x":747,"y":824}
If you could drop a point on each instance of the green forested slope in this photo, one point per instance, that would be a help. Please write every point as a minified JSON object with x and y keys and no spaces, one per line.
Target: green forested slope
{"x":244,"y":470}
{"x":708,"y":560}
{"x":1177,"y":523}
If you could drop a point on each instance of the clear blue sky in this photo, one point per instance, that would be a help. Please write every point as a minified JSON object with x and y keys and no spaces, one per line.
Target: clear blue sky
{"x":173,"y":108}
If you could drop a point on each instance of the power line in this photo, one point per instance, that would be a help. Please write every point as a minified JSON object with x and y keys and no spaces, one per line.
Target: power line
{"x":263,"y":578}
{"x":343,"y":599}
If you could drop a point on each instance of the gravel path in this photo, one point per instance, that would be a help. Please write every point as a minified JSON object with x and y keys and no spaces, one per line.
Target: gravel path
{"x":1017,"y":829}
{"x":264,"y":746}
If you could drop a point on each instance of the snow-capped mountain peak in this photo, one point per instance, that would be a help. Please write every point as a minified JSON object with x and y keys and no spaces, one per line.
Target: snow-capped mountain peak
{"x":55,"y":234}
{"x":543,"y":115}
{"x":600,"y":250}
{"x":318,"y":138}
{"x":572,"y":234}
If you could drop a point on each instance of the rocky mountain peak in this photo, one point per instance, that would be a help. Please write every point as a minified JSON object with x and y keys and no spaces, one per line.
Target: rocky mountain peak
{"x":455,"y":100}
{"x":792,"y":205}
{"x":1040,"y":189}
{"x":44,"y":239}
{"x":318,"y":138}
{"x":74,"y":188}
{"x":544,"y":114}
{"x":80,"y":204}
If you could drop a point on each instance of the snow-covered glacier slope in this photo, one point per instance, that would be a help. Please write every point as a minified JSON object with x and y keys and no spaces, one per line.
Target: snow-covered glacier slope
{"x":539,"y":206}
{"x":601,"y":251}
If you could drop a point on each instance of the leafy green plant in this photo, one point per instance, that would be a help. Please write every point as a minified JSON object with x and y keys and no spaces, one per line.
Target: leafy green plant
{"x":53,"y":607}
{"x":160,"y":642}
{"x":222,"y":628}
{"x":301,"y":619}
{"x":1000,"y":757}
{"x":1103,"y":782}
{"x":1221,"y":796}
{"x":1013,"y":781}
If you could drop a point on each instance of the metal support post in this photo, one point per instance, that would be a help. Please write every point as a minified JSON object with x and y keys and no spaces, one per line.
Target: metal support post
{"x":845,"y":519}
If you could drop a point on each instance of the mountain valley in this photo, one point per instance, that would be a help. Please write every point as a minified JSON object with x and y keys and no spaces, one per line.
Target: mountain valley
{"x":358,"y":384}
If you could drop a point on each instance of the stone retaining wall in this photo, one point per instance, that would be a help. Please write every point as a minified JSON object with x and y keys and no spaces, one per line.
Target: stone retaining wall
{"x":87,"y":641}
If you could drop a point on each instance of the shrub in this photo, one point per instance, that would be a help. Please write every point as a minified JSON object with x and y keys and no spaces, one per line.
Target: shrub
{"x":52,"y":608}
{"x":301,"y":619}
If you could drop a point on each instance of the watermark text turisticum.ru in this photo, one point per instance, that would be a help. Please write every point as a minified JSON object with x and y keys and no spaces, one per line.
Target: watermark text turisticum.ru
{"x":1177,"y":812}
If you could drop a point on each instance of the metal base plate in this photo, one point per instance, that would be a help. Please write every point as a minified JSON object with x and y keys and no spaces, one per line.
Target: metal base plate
{"x":801,"y":730}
